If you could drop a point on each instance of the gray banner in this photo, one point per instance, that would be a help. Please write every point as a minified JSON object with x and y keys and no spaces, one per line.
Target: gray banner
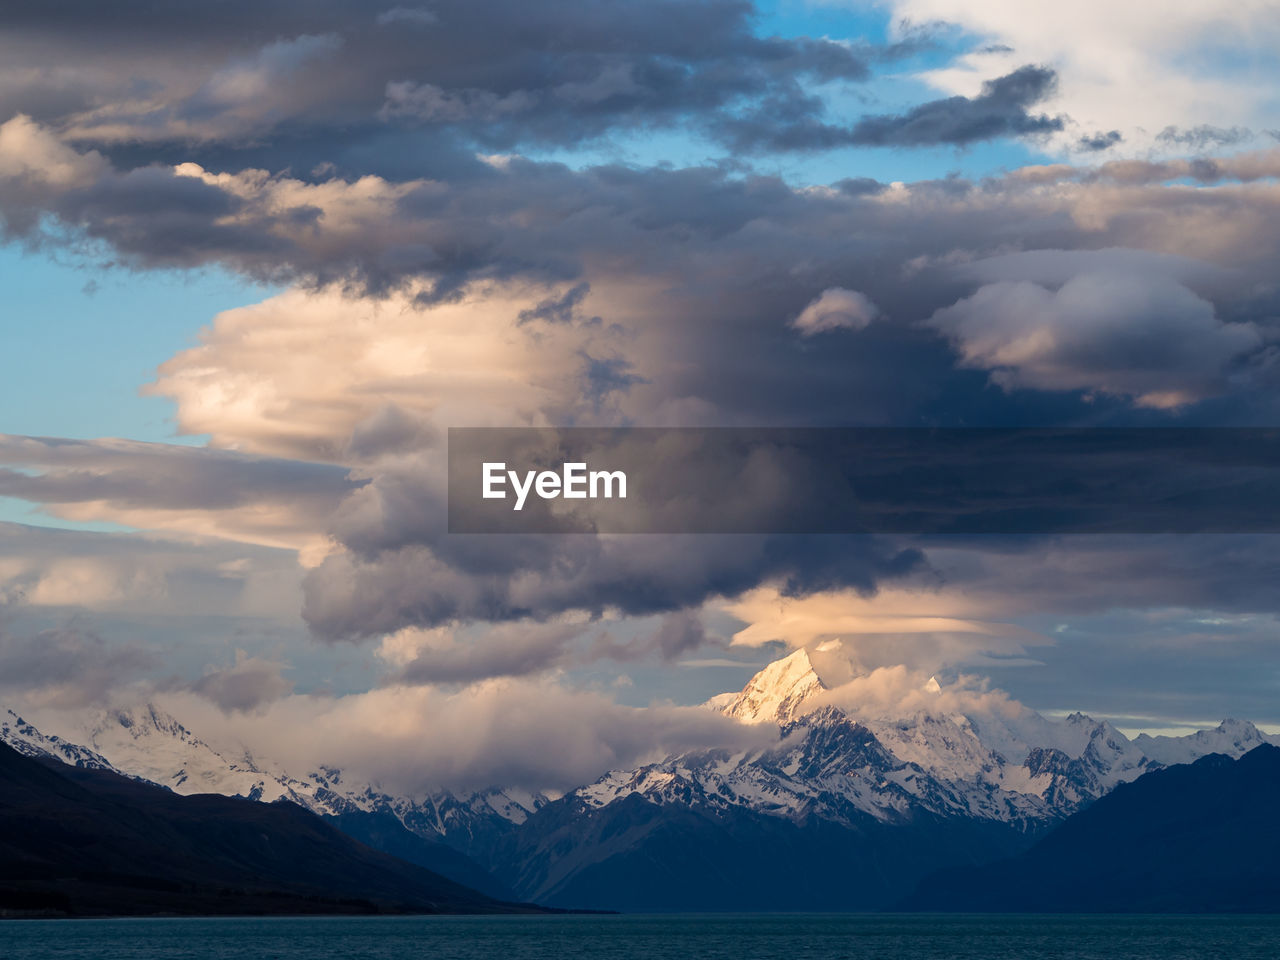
{"x":863,"y":480}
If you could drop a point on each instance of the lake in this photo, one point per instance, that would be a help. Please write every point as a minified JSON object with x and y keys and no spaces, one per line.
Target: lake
{"x":706,"y":937}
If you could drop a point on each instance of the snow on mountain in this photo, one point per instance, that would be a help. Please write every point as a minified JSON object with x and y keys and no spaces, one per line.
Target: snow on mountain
{"x":1232,"y":737}
{"x":775,"y":694}
{"x":1012,"y":766}
{"x":30,"y":742}
{"x":149,"y":744}
{"x":836,"y":763}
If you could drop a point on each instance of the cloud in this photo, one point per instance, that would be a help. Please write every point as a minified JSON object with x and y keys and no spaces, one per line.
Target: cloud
{"x":679,"y":266}
{"x":329,"y":376}
{"x":1204,"y":135}
{"x":432,"y":104}
{"x":357,"y":595}
{"x":1013,"y":577}
{"x":899,"y":691}
{"x":418,"y":16}
{"x":512,"y":650}
{"x":259,"y":500}
{"x":795,"y":121}
{"x":835,"y":309}
{"x":248,"y":81}
{"x":67,"y":667}
{"x":558,"y":309}
{"x":146,"y":577}
{"x":544,"y":224}
{"x":1151,"y":339}
{"x":1136,"y":70}
{"x":999,"y":110}
{"x":454,"y":655}
{"x":533,"y":734}
{"x":924,"y":629}
{"x":439,"y":80}
{"x":247,"y":686}
{"x":376,"y":162}
{"x":1100,"y":141}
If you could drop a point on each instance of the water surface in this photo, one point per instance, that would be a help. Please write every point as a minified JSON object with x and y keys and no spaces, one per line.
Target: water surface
{"x":706,"y":937}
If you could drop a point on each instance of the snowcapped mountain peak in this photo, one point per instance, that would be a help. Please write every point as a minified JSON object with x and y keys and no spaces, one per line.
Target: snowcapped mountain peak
{"x":777,"y":694}
{"x":1230,"y":737}
{"x":30,"y":742}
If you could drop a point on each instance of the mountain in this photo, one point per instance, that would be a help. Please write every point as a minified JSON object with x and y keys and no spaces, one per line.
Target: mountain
{"x":383,"y":830}
{"x":24,"y":738}
{"x":861,"y":806}
{"x":775,"y":694}
{"x":1014,"y":767}
{"x":85,"y":841}
{"x":436,"y":831}
{"x":1232,"y":738}
{"x":634,"y":854}
{"x":936,"y":778}
{"x":1195,"y":838}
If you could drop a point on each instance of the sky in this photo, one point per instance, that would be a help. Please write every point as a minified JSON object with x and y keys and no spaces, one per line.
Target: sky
{"x":259,"y":257}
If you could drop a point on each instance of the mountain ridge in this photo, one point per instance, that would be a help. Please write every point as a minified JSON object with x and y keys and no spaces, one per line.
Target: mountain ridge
{"x":84,"y":841}
{"x":983,"y":780}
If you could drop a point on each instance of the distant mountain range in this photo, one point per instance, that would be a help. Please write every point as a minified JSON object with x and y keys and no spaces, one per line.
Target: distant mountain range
{"x":857,"y":806}
{"x":83,"y":841}
{"x":144,"y":743}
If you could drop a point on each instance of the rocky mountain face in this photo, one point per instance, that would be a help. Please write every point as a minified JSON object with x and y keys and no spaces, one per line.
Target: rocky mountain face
{"x":860,"y":804}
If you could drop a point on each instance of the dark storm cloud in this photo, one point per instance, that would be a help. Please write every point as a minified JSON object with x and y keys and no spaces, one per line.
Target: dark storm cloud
{"x":458,"y":579}
{"x":793,"y":120}
{"x":1000,"y":110}
{"x":543,"y":221}
{"x":561,"y":309}
{"x":1100,"y":141}
{"x":1100,"y":574}
{"x":495,"y":74}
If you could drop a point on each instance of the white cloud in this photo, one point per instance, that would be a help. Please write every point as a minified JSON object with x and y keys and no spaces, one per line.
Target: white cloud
{"x":926,"y":630}
{"x":1137,"y":67}
{"x":324,"y":375}
{"x":29,"y":152}
{"x":531,"y":733}
{"x":836,"y":309}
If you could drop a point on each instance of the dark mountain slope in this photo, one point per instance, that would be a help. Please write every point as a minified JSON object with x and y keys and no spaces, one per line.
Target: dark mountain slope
{"x":1196,"y":838}
{"x":642,"y":856}
{"x":89,"y":842}
{"x":382,"y":830}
